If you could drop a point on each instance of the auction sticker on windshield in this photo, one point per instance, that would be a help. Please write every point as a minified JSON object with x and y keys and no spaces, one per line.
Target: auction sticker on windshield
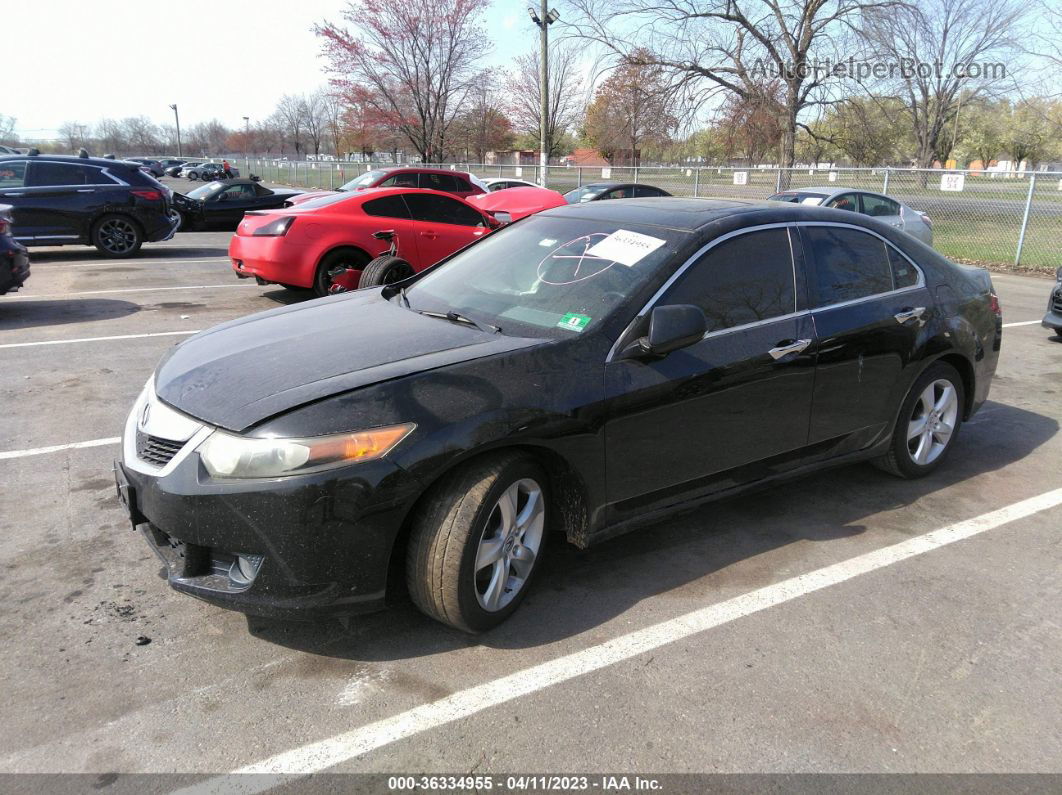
{"x":625,"y":247}
{"x":574,"y":322}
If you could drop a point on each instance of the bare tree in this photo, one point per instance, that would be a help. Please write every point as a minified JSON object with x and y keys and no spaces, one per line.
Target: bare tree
{"x":141,"y":134}
{"x":110,"y":136}
{"x":7,"y":129}
{"x":411,"y":61}
{"x":950,"y":45}
{"x":709,"y":46}
{"x":74,"y":135}
{"x":290,"y":116}
{"x":315,"y":119}
{"x":567,"y":102}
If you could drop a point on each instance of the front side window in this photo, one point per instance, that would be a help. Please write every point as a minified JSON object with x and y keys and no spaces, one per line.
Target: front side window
{"x":742,"y":280}
{"x":846,"y":201}
{"x":849,"y":264}
{"x":399,"y":181}
{"x":584,"y":194}
{"x":549,"y":277}
{"x":441,"y":210}
{"x":13,"y":174}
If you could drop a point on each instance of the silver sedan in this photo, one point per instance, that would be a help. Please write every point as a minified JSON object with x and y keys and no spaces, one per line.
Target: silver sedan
{"x":892,"y":212}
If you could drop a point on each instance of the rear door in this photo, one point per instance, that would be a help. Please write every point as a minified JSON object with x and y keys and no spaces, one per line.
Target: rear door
{"x":882,"y":208}
{"x":442,"y":226}
{"x":60,"y":198}
{"x":870,"y":304}
{"x":731,"y":407}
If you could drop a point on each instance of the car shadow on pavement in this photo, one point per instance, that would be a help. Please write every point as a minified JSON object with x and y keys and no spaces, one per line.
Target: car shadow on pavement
{"x":287,"y":297}
{"x":30,"y":314}
{"x":146,"y":254}
{"x":688,"y":561}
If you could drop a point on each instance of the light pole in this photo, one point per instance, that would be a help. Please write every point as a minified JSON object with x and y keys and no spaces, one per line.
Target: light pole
{"x":177,"y":119}
{"x":247,"y":139}
{"x":543,"y":21}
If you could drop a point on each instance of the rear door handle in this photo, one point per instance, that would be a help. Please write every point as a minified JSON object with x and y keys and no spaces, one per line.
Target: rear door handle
{"x":909,"y":314}
{"x":784,"y":349}
{"x":86,"y":190}
{"x":12,"y":194}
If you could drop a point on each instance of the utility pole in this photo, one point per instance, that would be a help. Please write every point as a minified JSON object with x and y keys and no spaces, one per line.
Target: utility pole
{"x":546,"y":19}
{"x":177,"y":119}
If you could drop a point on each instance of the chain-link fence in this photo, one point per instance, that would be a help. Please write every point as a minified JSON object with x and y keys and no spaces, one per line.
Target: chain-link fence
{"x":1012,"y":219}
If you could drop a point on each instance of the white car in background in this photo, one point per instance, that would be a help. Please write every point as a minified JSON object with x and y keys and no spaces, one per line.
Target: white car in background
{"x":915,"y":223}
{"x":501,"y":183}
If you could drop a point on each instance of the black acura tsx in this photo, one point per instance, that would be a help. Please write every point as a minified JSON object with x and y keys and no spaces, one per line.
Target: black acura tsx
{"x":584,"y":370}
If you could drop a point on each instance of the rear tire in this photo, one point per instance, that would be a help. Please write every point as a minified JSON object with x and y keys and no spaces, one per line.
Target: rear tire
{"x":476,"y":541}
{"x":928,"y":424}
{"x":385,"y":269}
{"x":117,"y":236}
{"x":336,"y":263}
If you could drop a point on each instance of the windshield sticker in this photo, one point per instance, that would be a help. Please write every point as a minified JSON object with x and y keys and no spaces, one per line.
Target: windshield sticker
{"x":574,"y":322}
{"x":625,"y":247}
{"x":547,"y":242}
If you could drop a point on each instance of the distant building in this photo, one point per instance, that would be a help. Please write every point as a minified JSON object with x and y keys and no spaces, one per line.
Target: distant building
{"x":512,"y":157}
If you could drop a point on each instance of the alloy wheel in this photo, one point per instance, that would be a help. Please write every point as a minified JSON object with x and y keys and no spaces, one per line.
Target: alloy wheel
{"x":118,"y":236}
{"x":932,"y":422}
{"x":509,"y":545}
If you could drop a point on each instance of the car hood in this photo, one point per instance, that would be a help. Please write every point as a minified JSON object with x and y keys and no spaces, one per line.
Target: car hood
{"x":518,"y":202}
{"x":240,"y":373}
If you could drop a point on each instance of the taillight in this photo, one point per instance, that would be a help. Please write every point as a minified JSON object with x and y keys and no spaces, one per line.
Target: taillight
{"x":5,"y":227}
{"x":150,"y":195}
{"x":993,"y":303}
{"x":275,"y":228}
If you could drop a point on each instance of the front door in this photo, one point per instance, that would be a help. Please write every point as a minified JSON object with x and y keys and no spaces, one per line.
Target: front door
{"x":728,"y":408}
{"x":442,"y":226}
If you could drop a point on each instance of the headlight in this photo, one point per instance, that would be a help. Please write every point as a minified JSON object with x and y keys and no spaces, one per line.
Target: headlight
{"x":226,"y":455}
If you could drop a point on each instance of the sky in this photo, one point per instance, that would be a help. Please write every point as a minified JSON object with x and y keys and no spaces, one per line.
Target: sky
{"x":225,"y":59}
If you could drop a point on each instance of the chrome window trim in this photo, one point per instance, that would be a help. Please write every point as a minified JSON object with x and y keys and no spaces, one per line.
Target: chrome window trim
{"x":809,"y":311}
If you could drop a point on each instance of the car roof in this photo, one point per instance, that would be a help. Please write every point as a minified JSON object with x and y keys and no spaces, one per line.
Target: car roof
{"x":693,"y":215}
{"x":104,"y":162}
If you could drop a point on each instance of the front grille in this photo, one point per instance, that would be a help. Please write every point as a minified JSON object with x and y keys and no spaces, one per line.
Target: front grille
{"x":1056,"y":301}
{"x":156,"y":450}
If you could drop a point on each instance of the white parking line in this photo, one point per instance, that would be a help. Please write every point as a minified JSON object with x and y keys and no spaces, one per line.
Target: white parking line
{"x":128,"y":290}
{"x":99,"y":339}
{"x":1022,"y":323}
{"x":56,"y":448}
{"x":324,"y":754}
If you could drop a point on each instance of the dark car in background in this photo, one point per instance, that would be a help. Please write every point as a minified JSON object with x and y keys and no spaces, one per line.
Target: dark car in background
{"x":14,"y":260}
{"x":1053,"y":318}
{"x":168,"y":163}
{"x":110,"y":204}
{"x":221,"y":205}
{"x":583,"y":370}
{"x":599,"y":191}
{"x":154,"y":167}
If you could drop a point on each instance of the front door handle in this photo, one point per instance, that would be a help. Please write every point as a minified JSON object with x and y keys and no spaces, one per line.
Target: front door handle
{"x":12,"y":194}
{"x":786,"y":348}
{"x":909,"y":313}
{"x":86,"y":190}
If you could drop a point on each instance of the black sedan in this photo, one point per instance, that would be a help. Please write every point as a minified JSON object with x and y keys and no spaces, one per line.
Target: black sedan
{"x":583,"y":370}
{"x":14,"y":261}
{"x":221,"y":205}
{"x":1053,"y":318}
{"x":599,"y":191}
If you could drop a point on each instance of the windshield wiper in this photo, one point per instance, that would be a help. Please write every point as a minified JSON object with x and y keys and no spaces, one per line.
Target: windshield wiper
{"x":457,"y":317}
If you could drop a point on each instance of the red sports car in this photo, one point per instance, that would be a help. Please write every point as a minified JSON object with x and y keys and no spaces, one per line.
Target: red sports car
{"x":328,"y":241}
{"x":458,"y":183}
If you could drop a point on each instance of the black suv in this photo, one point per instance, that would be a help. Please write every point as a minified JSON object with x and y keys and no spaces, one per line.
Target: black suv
{"x":109,"y":204}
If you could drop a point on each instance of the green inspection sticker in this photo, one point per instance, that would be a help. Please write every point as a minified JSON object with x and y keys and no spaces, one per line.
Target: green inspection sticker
{"x":574,"y":322}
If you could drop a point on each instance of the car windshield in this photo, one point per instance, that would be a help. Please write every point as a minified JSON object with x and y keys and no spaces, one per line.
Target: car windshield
{"x":584,"y":194}
{"x":363,"y":181}
{"x":798,"y":197}
{"x":546,"y":277}
{"x":203,"y":191}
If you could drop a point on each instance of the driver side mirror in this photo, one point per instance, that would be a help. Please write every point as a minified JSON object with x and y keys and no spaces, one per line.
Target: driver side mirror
{"x":670,"y":328}
{"x":500,"y":218}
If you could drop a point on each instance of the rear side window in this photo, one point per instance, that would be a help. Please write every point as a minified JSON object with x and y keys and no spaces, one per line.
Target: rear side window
{"x":443,"y":182}
{"x":13,"y":175}
{"x":879,"y":206}
{"x":45,"y":174}
{"x":441,"y":210}
{"x":903,"y":272}
{"x":742,"y":280}
{"x":647,"y":190}
{"x":849,"y":264}
{"x":847,"y":201}
{"x":387,"y":207}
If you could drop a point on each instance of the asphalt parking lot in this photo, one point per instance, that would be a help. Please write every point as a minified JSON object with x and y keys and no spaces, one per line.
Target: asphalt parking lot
{"x":715,"y":642}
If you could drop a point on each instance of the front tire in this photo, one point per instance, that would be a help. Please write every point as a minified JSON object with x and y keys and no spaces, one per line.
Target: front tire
{"x":476,"y":542}
{"x":928,"y":424}
{"x":385,"y":269}
{"x":192,"y":176}
{"x":117,"y":236}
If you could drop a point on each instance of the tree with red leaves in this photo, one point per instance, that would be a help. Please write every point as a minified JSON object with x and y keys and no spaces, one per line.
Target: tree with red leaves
{"x":411,"y":63}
